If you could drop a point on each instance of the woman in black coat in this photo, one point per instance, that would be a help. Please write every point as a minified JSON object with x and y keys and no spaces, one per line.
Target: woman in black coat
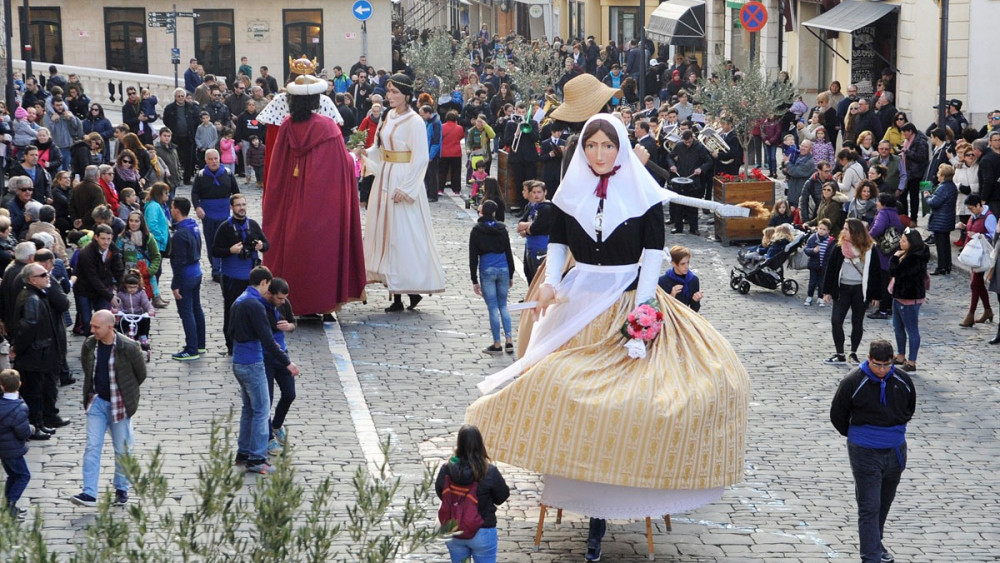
{"x":908,"y":271}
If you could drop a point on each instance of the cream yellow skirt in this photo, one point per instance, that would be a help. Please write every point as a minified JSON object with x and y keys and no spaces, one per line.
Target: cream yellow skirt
{"x":587,"y":413}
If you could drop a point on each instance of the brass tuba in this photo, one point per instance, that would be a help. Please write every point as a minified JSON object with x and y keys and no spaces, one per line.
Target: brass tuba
{"x":712,"y":140}
{"x":551,"y":103}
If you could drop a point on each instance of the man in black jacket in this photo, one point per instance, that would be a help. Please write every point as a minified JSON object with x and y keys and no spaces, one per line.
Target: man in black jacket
{"x":251,"y":333}
{"x":729,"y":162}
{"x":989,"y":169}
{"x":181,"y":117}
{"x":871,"y":408}
{"x":99,"y":268}
{"x":59,"y":304}
{"x":521,"y":135}
{"x":239,"y":242}
{"x":916,"y":156}
{"x":210,"y":192}
{"x":11,"y":286}
{"x":689,"y":159}
{"x":866,"y":120}
{"x":35,"y":351}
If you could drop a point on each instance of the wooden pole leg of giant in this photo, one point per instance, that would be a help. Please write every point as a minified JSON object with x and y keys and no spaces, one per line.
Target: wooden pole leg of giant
{"x":543,"y":509}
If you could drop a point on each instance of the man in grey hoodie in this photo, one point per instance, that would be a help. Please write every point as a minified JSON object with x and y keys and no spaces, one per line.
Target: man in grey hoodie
{"x":65,"y":128}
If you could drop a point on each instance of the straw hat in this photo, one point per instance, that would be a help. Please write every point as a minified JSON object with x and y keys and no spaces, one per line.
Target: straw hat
{"x":583,"y":97}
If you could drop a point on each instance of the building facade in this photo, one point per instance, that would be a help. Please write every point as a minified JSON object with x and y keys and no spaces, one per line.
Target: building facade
{"x":116,"y":35}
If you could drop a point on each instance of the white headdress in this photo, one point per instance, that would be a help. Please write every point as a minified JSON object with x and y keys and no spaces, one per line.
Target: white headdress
{"x":631,"y":190}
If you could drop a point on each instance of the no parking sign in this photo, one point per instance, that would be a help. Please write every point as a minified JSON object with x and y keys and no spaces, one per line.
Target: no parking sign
{"x":753,"y":16}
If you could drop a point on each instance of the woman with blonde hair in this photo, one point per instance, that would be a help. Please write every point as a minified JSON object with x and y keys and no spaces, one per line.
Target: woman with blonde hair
{"x":850,"y":119}
{"x":852,"y":279}
{"x":866,"y":145}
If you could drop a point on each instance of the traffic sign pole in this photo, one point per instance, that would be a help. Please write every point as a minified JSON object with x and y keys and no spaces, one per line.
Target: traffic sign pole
{"x":753,"y":16}
{"x":176,"y":49}
{"x":362,"y":10}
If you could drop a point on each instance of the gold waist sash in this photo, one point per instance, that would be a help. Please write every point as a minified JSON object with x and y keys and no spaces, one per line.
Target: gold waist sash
{"x":396,"y":157}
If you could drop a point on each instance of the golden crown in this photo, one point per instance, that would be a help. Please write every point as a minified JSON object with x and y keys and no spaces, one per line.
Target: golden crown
{"x":302,"y":65}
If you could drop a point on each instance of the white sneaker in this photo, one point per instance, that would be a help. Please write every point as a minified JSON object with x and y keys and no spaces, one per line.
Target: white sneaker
{"x":822,"y":303}
{"x":809,"y":301}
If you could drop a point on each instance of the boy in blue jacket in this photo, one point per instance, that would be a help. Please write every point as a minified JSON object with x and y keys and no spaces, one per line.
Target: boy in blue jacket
{"x":185,"y":259}
{"x":14,"y":433}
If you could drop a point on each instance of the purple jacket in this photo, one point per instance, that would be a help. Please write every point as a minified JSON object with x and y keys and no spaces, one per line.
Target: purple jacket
{"x":885,"y":218}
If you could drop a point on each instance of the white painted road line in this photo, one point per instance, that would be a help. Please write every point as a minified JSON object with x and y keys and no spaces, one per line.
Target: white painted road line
{"x":361,"y":416}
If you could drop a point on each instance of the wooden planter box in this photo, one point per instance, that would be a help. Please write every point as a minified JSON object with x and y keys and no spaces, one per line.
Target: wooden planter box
{"x":739,"y":192}
{"x":729,"y":230}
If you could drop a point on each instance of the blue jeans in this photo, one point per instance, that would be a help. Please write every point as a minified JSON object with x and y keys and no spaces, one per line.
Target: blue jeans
{"x":771,"y":155}
{"x":876,"y":475}
{"x":494,"y":283}
{"x":598,"y":526}
{"x":252,"y":440}
{"x":192,"y":316}
{"x":905,"y":323}
{"x":99,"y":421}
{"x":86,"y":306}
{"x":209,"y":227}
{"x":482,"y":548}
{"x":67,"y":159}
{"x":17,"y":478}
{"x":286,"y":383}
{"x":815,"y":282}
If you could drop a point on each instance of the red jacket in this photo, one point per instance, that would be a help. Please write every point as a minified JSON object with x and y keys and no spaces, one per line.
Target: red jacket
{"x":111,"y":195}
{"x":369,"y":126}
{"x":451,"y":140}
{"x":771,"y":131}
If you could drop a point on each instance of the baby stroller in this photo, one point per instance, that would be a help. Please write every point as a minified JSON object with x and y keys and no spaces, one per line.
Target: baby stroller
{"x":769,"y":273}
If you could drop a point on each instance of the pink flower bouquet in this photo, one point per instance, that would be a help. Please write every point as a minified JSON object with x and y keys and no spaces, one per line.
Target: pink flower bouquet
{"x":642,"y":326}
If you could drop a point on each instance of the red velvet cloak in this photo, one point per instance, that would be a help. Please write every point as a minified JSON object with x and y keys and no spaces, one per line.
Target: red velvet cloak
{"x":312,"y":217}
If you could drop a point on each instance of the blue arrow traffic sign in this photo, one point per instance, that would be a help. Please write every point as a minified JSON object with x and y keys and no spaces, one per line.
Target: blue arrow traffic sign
{"x":362,"y":10}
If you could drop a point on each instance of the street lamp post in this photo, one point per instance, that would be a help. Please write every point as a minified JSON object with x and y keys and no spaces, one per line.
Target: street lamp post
{"x":26,"y":39}
{"x":8,"y":31}
{"x":943,"y":69}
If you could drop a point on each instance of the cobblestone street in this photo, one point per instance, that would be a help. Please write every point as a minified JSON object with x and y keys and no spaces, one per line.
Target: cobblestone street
{"x":411,"y":375}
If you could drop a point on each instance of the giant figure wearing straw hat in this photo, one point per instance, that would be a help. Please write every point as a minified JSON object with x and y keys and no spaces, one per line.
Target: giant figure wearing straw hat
{"x":311,"y":212}
{"x":622,"y":422}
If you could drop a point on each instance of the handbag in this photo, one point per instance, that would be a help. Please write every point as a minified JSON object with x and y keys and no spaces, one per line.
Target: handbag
{"x":799,"y":260}
{"x":888,"y":241}
{"x":976,"y":254}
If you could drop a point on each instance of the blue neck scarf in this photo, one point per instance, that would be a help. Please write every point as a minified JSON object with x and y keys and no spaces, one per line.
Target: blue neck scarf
{"x":881,"y":382}
{"x":220,"y":173}
{"x":683,"y":280}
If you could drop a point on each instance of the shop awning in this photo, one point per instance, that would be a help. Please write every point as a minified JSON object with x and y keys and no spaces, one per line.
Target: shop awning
{"x":851,"y":15}
{"x":678,"y":22}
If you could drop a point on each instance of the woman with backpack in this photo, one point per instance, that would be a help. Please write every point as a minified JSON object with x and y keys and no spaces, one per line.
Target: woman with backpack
{"x":469,"y":472}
